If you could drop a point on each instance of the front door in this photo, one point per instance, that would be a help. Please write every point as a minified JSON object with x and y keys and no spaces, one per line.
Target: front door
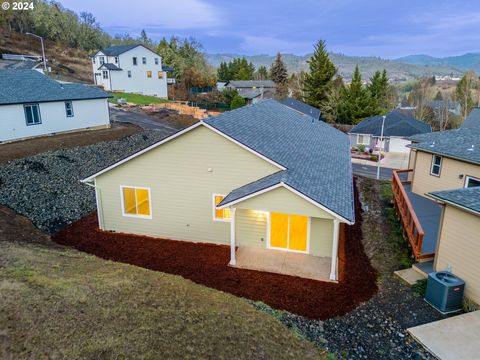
{"x":288,"y":232}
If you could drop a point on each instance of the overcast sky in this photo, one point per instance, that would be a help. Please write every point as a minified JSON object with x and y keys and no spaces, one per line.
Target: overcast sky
{"x":384,"y":28}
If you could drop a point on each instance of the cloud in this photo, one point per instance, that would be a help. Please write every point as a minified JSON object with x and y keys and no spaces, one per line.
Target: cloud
{"x":271,"y":45}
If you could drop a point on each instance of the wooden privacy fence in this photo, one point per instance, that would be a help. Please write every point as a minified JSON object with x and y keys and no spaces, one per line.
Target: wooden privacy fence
{"x":404,"y":209}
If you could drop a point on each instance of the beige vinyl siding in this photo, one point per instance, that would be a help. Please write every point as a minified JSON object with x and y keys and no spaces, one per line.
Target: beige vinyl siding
{"x":284,"y":201}
{"x":321,"y":237}
{"x":251,"y":228}
{"x":459,"y":246}
{"x":449,"y":177}
{"x":181,"y":184}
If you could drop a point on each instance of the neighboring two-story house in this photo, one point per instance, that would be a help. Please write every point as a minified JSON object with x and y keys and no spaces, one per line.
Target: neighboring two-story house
{"x":438,"y":202}
{"x":130,"y":68}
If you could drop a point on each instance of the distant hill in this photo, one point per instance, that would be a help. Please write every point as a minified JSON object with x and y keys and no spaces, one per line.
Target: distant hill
{"x":397,"y":70}
{"x":469,"y":61}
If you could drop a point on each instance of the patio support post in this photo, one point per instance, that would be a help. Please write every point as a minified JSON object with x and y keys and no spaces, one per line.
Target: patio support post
{"x":233,"y":260}
{"x":336,"y":233}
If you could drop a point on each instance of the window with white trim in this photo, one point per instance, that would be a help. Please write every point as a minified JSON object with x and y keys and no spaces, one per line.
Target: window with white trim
{"x":436,"y":165}
{"x":134,"y":60}
{"x":69,"y":108}
{"x":129,"y":73}
{"x":220,"y":214}
{"x":105,"y":74}
{"x":156,"y":61}
{"x":136,"y":201}
{"x":116,"y":59}
{"x":144,"y":60}
{"x":32,"y":114}
{"x":471,"y":181}
{"x":363,"y":139}
{"x":102,"y":60}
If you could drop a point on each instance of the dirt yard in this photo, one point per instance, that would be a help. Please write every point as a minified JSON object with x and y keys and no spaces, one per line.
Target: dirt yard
{"x":207,"y":264}
{"x":29,"y":147}
{"x":58,"y":303}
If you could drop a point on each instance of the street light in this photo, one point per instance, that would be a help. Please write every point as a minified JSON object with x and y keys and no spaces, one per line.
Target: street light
{"x":380,"y":153}
{"x":43,"y":49}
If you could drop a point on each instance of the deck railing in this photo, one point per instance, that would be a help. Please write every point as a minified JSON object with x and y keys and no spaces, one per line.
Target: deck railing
{"x":411,"y":225}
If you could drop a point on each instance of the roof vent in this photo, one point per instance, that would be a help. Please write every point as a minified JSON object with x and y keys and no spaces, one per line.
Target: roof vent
{"x":472,"y":148}
{"x":432,"y":145}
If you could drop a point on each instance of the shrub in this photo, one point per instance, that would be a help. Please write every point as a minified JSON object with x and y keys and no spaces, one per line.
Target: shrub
{"x":237,"y":102}
{"x":374,"y":157}
{"x":361,"y":148}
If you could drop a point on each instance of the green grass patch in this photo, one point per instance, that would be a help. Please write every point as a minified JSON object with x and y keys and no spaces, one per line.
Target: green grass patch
{"x":136,"y":99}
{"x":396,"y":239}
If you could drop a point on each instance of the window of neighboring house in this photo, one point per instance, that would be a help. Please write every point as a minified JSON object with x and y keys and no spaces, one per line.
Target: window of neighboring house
{"x":93,"y":59}
{"x":136,"y":201}
{"x":69,"y":108}
{"x":144,"y":60}
{"x":134,"y":59}
{"x":363,"y":139}
{"x":105,"y":74}
{"x":149,"y":74}
{"x":160,"y":74}
{"x":220,"y":214}
{"x":436,"y":165}
{"x":156,"y":61}
{"x":129,"y":73}
{"x":471,"y":181}
{"x":102,"y":60}
{"x":116,"y":59}
{"x":32,"y":114}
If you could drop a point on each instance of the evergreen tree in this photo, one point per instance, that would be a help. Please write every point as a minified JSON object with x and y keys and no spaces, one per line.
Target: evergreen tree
{"x":262,"y":73}
{"x":223,"y":72}
{"x":237,"y":102}
{"x":279,"y":74}
{"x":317,"y":81}
{"x":464,"y":92}
{"x":381,"y":92}
{"x":356,"y":101}
{"x":330,"y":106}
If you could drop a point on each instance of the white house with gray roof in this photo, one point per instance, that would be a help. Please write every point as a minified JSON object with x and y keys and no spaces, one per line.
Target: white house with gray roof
{"x":32,"y":104}
{"x":270,"y":182}
{"x":130,"y":68}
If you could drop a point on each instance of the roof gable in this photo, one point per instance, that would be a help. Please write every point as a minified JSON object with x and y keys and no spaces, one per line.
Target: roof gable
{"x":465,"y":198}
{"x":120,"y":49}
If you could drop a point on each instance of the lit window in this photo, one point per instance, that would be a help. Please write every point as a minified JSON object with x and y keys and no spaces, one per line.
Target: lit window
{"x":149,"y":74}
{"x":69,"y":108}
{"x":156,"y":61}
{"x":160,"y":74}
{"x":220,"y":214}
{"x":134,"y":59}
{"x":105,"y":74}
{"x":136,"y":202}
{"x":129,"y":73}
{"x":436,"y":165}
{"x":144,"y":60}
{"x":32,"y":114}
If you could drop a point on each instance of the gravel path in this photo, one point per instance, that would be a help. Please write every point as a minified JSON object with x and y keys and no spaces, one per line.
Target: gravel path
{"x":46,"y":187}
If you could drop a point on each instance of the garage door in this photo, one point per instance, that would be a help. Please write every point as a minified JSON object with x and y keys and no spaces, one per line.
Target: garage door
{"x":398,"y":145}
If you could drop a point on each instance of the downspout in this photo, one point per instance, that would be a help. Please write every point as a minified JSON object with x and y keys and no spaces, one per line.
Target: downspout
{"x":98,"y":201}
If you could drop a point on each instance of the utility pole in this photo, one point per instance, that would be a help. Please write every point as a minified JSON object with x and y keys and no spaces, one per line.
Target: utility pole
{"x":43,"y":50}
{"x":380,"y":152}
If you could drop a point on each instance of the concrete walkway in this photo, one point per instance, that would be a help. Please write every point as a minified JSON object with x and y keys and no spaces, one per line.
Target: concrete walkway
{"x":391,"y":160}
{"x":284,"y":262}
{"x":144,"y":121}
{"x":455,"y":338}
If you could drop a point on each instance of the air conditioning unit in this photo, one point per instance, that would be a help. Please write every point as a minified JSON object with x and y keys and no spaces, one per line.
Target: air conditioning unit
{"x":445,"y":291}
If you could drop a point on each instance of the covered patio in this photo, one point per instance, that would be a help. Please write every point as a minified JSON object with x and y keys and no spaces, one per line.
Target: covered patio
{"x":284,"y":262}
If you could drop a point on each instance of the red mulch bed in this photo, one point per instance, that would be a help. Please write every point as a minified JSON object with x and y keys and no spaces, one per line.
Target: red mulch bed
{"x":206,"y":264}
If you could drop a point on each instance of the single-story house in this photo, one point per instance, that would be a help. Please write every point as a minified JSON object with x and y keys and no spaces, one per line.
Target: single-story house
{"x":262,"y":177}
{"x":32,"y":104}
{"x":253,"y":90}
{"x":302,"y":107}
{"x":442,"y":105}
{"x":398,"y":128}
{"x":473,"y":119}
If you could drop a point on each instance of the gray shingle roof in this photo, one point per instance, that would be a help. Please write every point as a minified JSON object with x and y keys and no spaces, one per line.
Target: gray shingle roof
{"x":302,"y":107}
{"x":444,"y":104}
{"x":316,"y":155}
{"x":455,"y":143}
{"x":396,"y":124}
{"x":119,"y":49}
{"x":26,"y":86}
{"x":109,"y":66}
{"x":468,"y":198}
{"x":473,"y":119}
{"x":251,"y":83}
{"x":249,"y":93}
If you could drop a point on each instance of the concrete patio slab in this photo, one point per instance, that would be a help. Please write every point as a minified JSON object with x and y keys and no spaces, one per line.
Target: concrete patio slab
{"x":455,"y":338}
{"x":409,"y":275}
{"x":284,"y":262}
{"x":391,"y":160}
